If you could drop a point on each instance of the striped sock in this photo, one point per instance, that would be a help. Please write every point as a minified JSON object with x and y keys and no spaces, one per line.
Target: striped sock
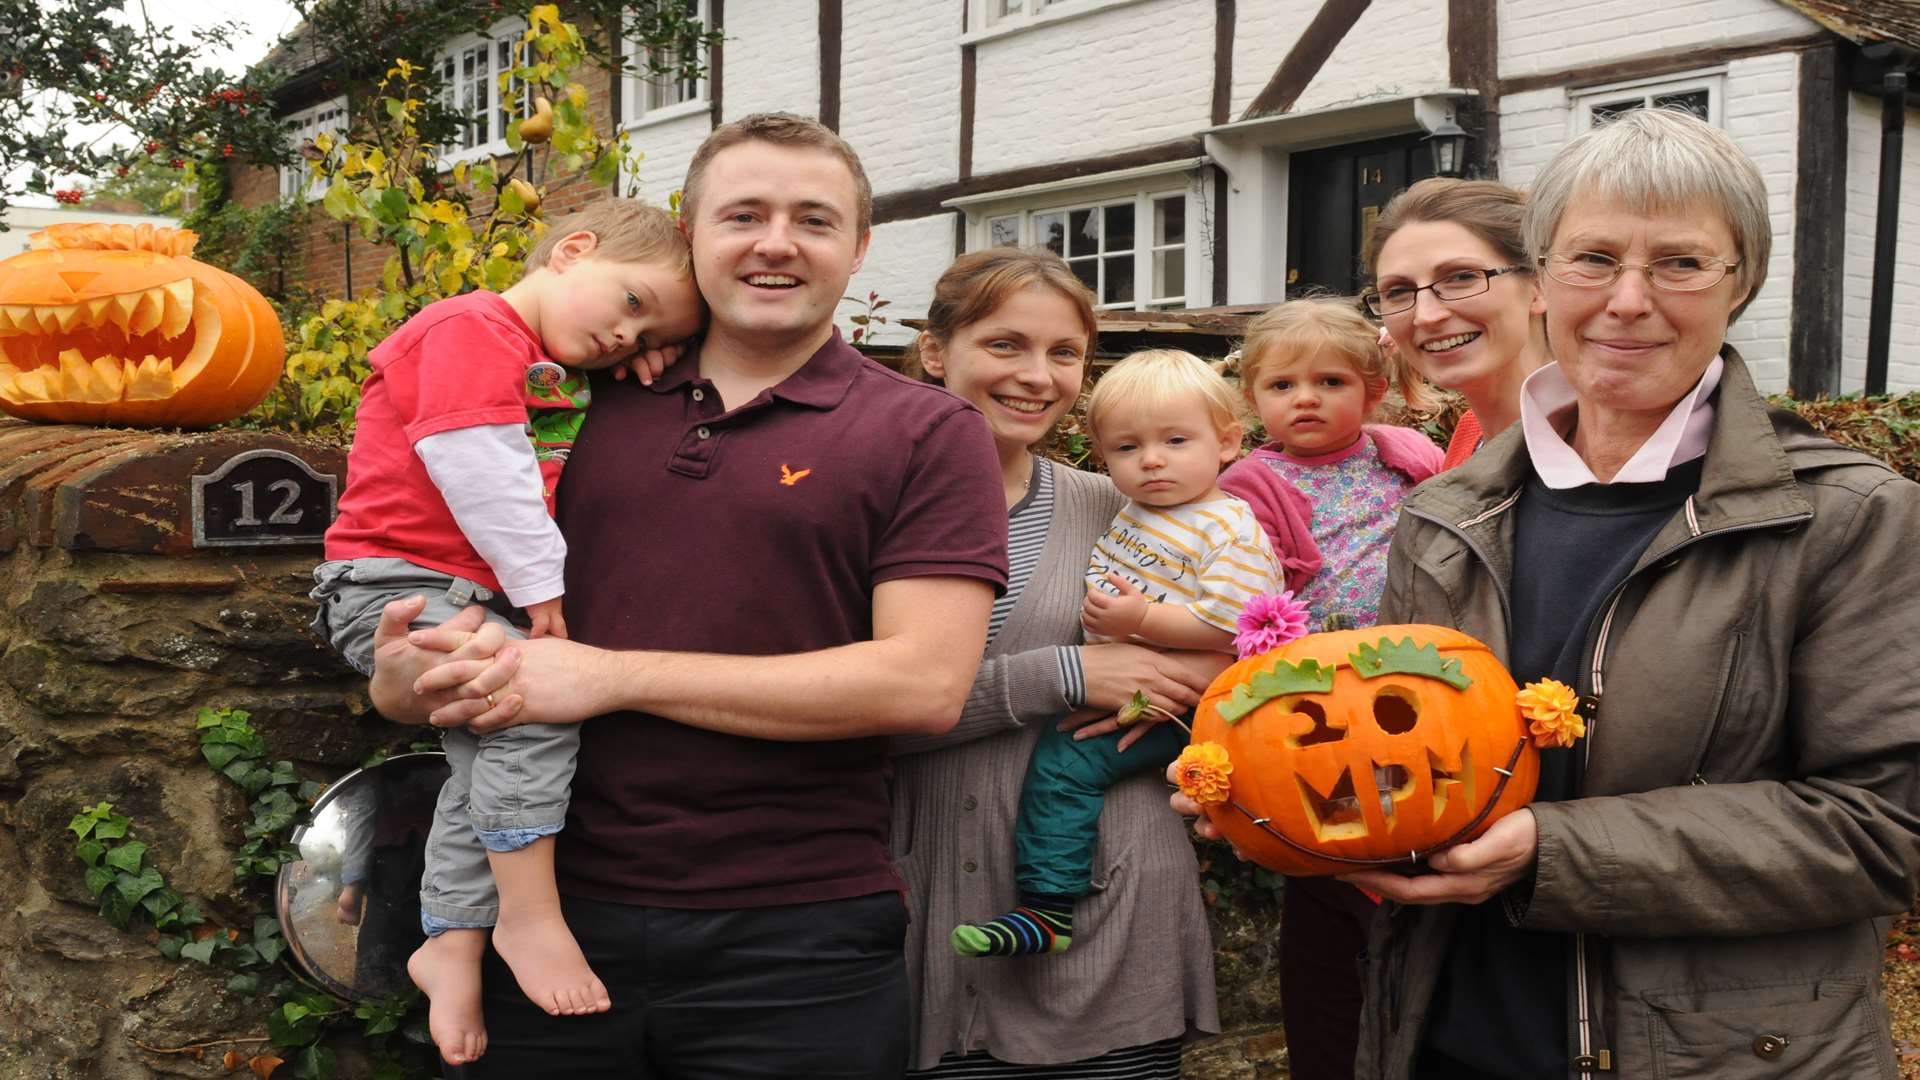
{"x":1038,"y":926}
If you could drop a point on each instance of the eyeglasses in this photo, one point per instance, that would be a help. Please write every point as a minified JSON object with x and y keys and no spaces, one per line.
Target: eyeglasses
{"x":1674,"y":273}
{"x":1458,"y":285}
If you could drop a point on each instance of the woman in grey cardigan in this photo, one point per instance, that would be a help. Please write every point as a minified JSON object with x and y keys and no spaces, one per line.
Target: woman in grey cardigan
{"x":1010,"y":331}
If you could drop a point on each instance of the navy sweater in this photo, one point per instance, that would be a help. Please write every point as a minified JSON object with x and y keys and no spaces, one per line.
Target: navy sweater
{"x":1501,"y":1006}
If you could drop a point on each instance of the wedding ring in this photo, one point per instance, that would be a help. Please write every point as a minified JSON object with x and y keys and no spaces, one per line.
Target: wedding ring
{"x":489,"y":699}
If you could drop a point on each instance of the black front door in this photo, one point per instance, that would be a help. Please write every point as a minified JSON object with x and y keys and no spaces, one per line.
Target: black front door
{"x":1333,"y":197}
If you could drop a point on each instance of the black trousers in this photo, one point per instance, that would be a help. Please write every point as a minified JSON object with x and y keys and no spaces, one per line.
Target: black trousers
{"x":808,"y":990}
{"x":1323,"y":931}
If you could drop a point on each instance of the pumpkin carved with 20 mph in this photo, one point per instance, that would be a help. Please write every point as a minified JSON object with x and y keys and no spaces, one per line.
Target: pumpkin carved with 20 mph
{"x":1365,"y":748}
{"x":115,"y":324}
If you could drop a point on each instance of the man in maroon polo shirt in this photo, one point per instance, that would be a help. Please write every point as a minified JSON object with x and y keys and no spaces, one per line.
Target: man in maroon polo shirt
{"x":777,"y":554}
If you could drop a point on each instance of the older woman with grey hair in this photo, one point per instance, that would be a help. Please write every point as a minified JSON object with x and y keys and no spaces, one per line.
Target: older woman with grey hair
{"x":1702,"y":885}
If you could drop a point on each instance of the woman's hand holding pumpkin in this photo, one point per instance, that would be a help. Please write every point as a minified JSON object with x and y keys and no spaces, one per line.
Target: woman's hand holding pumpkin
{"x":1467,"y":873}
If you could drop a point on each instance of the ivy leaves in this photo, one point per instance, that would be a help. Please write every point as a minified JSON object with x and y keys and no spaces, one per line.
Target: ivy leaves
{"x":300,"y":1016}
{"x":232,"y":748}
{"x":119,"y":877}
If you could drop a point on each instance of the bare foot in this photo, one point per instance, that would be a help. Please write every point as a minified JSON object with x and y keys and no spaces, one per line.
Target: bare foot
{"x":553,"y":973}
{"x":447,"y":970}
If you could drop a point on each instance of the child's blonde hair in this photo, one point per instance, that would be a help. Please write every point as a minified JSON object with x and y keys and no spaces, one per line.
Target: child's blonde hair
{"x":1318,"y":324}
{"x":1155,"y":378}
{"x":624,"y":230}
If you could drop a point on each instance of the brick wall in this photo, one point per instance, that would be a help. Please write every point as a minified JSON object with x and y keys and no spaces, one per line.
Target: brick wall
{"x":773,"y":57}
{"x":900,"y":91}
{"x":903,"y":262}
{"x":1539,"y":36}
{"x":1132,"y":75}
{"x":667,"y":145}
{"x":1863,"y":197}
{"x":1397,"y":47}
{"x":1762,"y":115}
{"x":1533,"y":125}
{"x":1262,"y":34}
{"x":330,"y":252}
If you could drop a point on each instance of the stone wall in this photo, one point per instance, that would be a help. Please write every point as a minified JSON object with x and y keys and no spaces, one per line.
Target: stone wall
{"x":119,"y":619}
{"x":106,"y":651}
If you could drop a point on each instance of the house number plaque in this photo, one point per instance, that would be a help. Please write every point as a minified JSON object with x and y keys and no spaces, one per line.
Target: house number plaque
{"x":262,"y":498}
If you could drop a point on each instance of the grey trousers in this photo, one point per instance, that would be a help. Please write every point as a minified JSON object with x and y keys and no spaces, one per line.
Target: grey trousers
{"x":507,"y":790}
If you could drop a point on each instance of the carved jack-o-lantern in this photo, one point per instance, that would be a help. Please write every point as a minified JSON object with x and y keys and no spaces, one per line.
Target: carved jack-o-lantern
{"x":1366,"y":747}
{"x":115,"y":324}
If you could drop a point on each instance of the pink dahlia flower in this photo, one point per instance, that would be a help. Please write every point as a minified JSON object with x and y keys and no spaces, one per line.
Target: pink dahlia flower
{"x":1269,"y":621}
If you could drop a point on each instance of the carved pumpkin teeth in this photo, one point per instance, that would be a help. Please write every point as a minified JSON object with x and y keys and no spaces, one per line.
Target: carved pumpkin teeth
{"x":146,"y":313}
{"x":108,"y":370}
{"x":178,"y":301}
{"x":29,"y":386}
{"x":120,"y":308}
{"x":152,"y":380}
{"x":67,"y":315}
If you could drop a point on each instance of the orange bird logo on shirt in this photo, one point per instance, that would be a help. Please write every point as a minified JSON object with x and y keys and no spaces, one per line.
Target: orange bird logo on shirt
{"x":789,"y":478}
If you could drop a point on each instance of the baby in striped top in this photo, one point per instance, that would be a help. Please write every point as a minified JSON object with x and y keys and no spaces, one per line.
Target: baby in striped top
{"x":1173,"y":570}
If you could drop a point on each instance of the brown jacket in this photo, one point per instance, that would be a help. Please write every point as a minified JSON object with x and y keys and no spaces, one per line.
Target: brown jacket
{"x":1752,"y":783}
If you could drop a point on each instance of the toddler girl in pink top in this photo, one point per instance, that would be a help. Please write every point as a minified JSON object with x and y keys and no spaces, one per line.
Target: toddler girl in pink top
{"x":1327,"y":486}
{"x":1326,"y":489}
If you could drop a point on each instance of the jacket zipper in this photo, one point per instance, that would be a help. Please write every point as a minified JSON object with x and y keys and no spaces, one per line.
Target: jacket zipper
{"x":1699,"y":776}
{"x":1597,"y":678}
{"x":1596,"y":675}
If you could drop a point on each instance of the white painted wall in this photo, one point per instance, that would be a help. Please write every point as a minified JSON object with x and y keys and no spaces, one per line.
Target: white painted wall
{"x":1863,"y":188}
{"x":904,"y":261}
{"x":900,"y":90}
{"x":1539,"y":36}
{"x":1262,"y":34}
{"x":1761,"y":113}
{"x":667,"y":145}
{"x":772,"y":60}
{"x":1397,"y":47}
{"x":1759,"y":110}
{"x":1118,"y":77}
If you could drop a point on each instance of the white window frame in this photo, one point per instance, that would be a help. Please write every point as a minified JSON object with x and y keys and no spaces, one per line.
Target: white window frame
{"x":988,"y":19}
{"x":328,"y":116}
{"x":1146,"y":245}
{"x":492,"y":140}
{"x":637,"y":92}
{"x":1711,"y":80}
{"x":999,"y":12}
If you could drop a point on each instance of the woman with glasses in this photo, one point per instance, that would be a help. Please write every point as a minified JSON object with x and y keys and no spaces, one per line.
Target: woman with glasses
{"x":1454,"y":287}
{"x":1700,"y":888}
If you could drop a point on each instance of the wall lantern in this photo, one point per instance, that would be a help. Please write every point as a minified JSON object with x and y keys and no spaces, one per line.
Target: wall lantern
{"x":1448,"y":144}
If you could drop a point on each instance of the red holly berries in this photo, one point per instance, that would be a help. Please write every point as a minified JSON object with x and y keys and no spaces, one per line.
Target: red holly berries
{"x":69,"y":197}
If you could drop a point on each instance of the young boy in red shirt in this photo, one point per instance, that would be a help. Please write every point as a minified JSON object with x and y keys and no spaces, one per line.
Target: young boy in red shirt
{"x":463,"y":428}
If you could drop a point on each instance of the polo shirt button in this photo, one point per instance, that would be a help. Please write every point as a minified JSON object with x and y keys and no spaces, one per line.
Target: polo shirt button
{"x":969,"y":866}
{"x":702,"y":431}
{"x":971,"y":990}
{"x":969,"y":803}
{"x":699,"y":394}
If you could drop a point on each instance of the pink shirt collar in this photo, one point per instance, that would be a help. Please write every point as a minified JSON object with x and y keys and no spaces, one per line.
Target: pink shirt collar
{"x":1547,"y":396}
